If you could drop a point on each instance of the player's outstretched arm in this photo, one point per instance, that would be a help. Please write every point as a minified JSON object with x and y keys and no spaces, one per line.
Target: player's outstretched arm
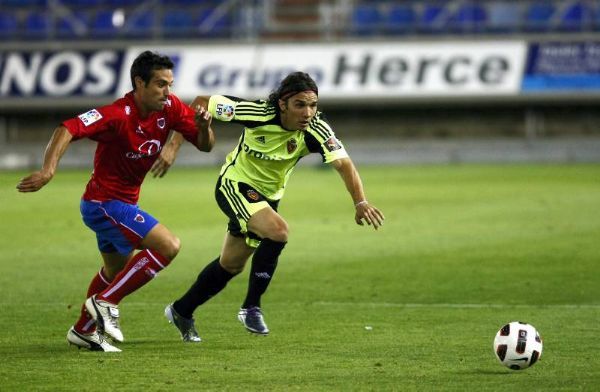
{"x":203,"y":118}
{"x":364,"y":211}
{"x":205,"y":142}
{"x":54,"y":151}
{"x":167,"y":156}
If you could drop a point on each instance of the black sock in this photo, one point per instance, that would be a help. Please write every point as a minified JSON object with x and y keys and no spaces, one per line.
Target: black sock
{"x":264,"y":263}
{"x":210,"y":281}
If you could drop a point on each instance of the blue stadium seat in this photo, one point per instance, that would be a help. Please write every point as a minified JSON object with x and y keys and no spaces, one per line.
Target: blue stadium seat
{"x":539,"y":16}
{"x":433,"y":19}
{"x":468,"y":18}
{"x":9,"y":24}
{"x":221,"y":28}
{"x":504,"y":17}
{"x":140,"y":24}
{"x":24,"y":3}
{"x":401,"y":18}
{"x":366,"y":19}
{"x":37,"y":25}
{"x":82,"y":3}
{"x":66,"y":26}
{"x":103,"y":26}
{"x":577,"y":16}
{"x":177,"y":23}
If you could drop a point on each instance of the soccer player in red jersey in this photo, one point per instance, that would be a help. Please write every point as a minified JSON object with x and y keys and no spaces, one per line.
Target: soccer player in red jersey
{"x":130,"y":133}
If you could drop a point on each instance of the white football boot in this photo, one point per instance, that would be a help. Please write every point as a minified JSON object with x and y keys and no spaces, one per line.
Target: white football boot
{"x":106,"y":316}
{"x":92,"y":342}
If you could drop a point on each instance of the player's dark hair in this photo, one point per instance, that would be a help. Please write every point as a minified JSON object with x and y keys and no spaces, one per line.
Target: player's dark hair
{"x":146,"y":63}
{"x":294,"y":83}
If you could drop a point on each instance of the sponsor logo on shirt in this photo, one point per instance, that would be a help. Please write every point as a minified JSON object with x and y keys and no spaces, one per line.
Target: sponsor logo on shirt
{"x":224,"y":110}
{"x":146,"y":149}
{"x":88,"y":118}
{"x":292,"y":144}
{"x":333,"y":144}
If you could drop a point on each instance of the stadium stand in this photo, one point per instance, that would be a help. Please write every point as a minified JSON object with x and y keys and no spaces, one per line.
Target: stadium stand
{"x":163,"y":19}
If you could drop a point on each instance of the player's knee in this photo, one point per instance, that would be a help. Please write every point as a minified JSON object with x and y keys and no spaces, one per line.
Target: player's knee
{"x":279,"y":232}
{"x":171,"y":248}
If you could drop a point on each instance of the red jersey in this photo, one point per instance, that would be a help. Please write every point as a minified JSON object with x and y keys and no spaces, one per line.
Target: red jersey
{"x":128,"y":145}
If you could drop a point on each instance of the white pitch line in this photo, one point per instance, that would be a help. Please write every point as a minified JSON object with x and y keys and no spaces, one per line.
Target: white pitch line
{"x":457,"y":306}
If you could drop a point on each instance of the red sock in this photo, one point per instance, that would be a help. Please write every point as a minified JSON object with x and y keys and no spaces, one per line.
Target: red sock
{"x":139,"y":270}
{"x":86,"y":323}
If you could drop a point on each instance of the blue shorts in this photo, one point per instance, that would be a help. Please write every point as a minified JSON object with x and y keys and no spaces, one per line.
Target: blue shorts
{"x":119,"y":227}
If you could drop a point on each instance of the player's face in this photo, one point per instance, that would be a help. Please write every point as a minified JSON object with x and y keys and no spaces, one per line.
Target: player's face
{"x":154,"y":95}
{"x":298,"y":110}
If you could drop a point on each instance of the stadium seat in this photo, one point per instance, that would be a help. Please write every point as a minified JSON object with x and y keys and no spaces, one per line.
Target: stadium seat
{"x":504,"y":17}
{"x":37,"y":25}
{"x":140,"y":24}
{"x":539,"y":16}
{"x":81,"y":3}
{"x":433,"y":18}
{"x":24,"y":3}
{"x":66,"y":26}
{"x":222,"y":27}
{"x":468,"y":18}
{"x":103,"y":26}
{"x":9,"y":25}
{"x":577,"y":16}
{"x":366,"y":19}
{"x":401,"y":18}
{"x":177,"y":23}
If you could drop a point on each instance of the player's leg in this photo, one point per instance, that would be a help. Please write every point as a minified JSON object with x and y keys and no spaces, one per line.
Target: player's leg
{"x":211,"y":280}
{"x":215,"y":276}
{"x":272,"y":228}
{"x":160,"y":246}
{"x":113,"y":263}
{"x":125,"y":227}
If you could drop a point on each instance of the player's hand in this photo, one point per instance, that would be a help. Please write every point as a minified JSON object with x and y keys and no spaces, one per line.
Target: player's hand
{"x":164,"y":161}
{"x":34,"y":182}
{"x":203,"y":118}
{"x":369,"y":214}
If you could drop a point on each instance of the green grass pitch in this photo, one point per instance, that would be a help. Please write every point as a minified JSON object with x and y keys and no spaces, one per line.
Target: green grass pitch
{"x":413,"y":306}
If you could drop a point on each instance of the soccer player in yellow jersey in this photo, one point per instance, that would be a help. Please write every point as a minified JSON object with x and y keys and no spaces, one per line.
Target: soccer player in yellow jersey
{"x":277,"y":133}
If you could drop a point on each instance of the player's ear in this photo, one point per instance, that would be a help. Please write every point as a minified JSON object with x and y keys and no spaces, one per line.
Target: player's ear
{"x":282,"y":105}
{"x":139,"y":82}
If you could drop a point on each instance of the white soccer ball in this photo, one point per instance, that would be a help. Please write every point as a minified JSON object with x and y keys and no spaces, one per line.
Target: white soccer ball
{"x":518,"y":345}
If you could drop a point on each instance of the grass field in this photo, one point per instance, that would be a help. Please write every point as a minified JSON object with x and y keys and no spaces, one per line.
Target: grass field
{"x":464,"y":250}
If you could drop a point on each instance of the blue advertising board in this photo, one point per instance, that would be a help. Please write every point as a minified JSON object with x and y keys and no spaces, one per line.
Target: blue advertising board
{"x":555,"y":67}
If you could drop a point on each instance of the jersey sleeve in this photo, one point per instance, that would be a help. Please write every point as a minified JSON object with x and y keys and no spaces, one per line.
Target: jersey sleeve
{"x":320,"y":138}
{"x":238,"y":110}
{"x":96,"y":124}
{"x":183,"y":120}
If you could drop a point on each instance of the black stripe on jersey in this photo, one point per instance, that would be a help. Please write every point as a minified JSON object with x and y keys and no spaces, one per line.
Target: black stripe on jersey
{"x":237,"y":205}
{"x":322,"y":131}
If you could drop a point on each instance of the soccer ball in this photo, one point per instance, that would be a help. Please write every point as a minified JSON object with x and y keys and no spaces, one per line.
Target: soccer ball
{"x":518,"y":345}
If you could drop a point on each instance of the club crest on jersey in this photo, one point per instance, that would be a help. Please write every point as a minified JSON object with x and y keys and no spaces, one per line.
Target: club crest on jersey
{"x":90,"y":117}
{"x":332,"y":144}
{"x":161,"y":123}
{"x":139,"y":218}
{"x":146,"y":149}
{"x":292,"y":144}
{"x":252,"y":195}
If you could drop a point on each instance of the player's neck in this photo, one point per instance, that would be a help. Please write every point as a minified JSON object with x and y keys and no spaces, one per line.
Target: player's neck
{"x":143,"y":111}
